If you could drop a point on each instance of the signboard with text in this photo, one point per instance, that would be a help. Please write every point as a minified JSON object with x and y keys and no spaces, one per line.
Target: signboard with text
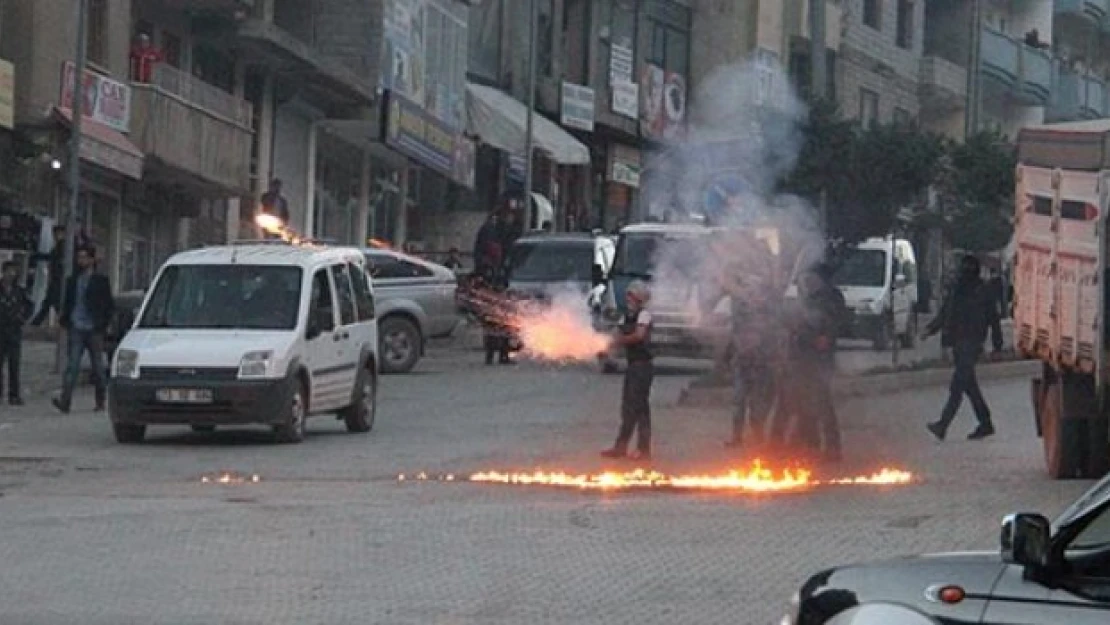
{"x":578,"y":107}
{"x":419,"y":135}
{"x":106,"y":101}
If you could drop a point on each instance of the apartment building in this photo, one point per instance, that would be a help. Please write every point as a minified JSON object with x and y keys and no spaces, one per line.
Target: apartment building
{"x":1081,"y":46}
{"x":182,"y":136}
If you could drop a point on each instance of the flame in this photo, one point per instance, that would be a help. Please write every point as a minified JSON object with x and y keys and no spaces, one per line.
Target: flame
{"x":228,"y":477}
{"x":379,"y":243}
{"x":270,"y":223}
{"x":757,"y":478}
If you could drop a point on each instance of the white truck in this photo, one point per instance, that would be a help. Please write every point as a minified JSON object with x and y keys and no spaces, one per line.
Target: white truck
{"x":1062,"y":200}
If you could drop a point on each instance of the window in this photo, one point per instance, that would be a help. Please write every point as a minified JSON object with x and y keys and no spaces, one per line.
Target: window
{"x":96,"y":35}
{"x":868,"y":107}
{"x":904,"y":37}
{"x":902,"y":116}
{"x":551,"y":262}
{"x":364,"y":299}
{"x":171,"y":48}
{"x":622,"y":27}
{"x":862,"y":268}
{"x":385,"y":267}
{"x":323,"y":308}
{"x":872,"y":12}
{"x":344,"y":291}
{"x":484,"y":46}
{"x":545,"y":38}
{"x":669,"y":39}
{"x":241,"y":297}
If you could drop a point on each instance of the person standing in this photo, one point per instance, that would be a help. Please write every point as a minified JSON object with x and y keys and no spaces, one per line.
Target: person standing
{"x":85,"y":315}
{"x":818,"y":323}
{"x":273,"y":202}
{"x":753,"y":337}
{"x":968,"y":312}
{"x":634,"y":334}
{"x":15,"y":309}
{"x":144,"y":57}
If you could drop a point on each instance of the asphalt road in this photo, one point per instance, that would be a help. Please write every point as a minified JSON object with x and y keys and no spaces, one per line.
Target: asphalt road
{"x":95,"y":533}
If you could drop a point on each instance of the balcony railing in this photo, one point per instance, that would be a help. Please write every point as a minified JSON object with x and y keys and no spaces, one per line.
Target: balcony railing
{"x":200,"y":94}
{"x":943,"y":83}
{"x":1094,"y":11}
{"x":1094,"y":103}
{"x":1000,"y":56}
{"x":1068,"y":93}
{"x":1035,"y":75}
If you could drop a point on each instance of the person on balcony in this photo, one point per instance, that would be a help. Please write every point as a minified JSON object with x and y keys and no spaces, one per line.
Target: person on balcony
{"x":144,"y":56}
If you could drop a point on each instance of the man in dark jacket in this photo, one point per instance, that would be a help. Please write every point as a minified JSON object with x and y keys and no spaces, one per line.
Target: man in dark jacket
{"x":968,"y":311}
{"x":86,"y":313}
{"x":15,"y":308}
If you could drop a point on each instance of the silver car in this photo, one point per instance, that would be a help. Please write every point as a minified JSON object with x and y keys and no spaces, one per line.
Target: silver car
{"x":414,"y":300}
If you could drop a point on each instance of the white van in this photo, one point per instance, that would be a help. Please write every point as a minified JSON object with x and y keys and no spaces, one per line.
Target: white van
{"x":879,"y":281}
{"x":254,"y":333}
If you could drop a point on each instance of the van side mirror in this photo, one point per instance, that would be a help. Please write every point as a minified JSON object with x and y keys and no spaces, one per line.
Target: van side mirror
{"x":1025,"y":540}
{"x":598,"y":275}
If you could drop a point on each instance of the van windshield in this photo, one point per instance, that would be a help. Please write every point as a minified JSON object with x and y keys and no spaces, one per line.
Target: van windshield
{"x":566,"y":261}
{"x":639,"y":254}
{"x":241,"y":297}
{"x":862,"y":268}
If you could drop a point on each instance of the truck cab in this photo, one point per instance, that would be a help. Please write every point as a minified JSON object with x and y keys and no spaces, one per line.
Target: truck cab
{"x":1062,"y":199}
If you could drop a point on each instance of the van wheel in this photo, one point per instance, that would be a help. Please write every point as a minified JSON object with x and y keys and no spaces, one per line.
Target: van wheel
{"x":129,"y":434}
{"x":398,"y":345}
{"x":359,"y":416}
{"x":293,"y":430}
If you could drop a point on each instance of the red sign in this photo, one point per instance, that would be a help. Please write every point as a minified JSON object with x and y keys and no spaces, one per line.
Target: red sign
{"x":105,"y":100}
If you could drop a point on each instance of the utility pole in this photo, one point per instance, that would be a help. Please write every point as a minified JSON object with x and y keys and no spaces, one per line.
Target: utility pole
{"x":528,"y":147}
{"x":818,"y":74}
{"x":74,"y":157}
{"x":971,"y":118}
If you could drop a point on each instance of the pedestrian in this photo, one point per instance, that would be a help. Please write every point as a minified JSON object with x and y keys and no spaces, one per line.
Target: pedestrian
{"x":85,"y":315}
{"x":273,"y":202}
{"x":813,"y":363}
{"x":144,"y":57}
{"x":967,"y":313}
{"x":496,"y":315}
{"x":487,"y":246}
{"x":453,"y":262}
{"x":15,"y":308}
{"x":56,"y":258}
{"x":634,"y":334}
{"x":752,"y":345}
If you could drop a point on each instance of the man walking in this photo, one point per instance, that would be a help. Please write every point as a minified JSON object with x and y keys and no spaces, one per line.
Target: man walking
{"x":967,"y":313}
{"x":85,"y":315}
{"x":15,"y":308}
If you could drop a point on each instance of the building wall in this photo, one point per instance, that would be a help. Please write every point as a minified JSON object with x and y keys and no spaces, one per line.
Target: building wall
{"x":726,"y":32}
{"x":350,"y":32}
{"x":871,"y":59}
{"x":44,"y":35}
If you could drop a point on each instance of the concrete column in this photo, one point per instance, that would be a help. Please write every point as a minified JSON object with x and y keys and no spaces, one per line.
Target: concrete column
{"x":265,"y":129}
{"x":310,"y":182}
{"x":365,"y":188}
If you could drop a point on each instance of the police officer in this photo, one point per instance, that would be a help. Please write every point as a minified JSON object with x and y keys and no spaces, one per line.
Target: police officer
{"x":634,"y":334}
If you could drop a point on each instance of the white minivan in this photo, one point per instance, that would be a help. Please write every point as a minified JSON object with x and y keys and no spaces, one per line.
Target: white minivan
{"x":253,"y":333}
{"x":879,"y":281}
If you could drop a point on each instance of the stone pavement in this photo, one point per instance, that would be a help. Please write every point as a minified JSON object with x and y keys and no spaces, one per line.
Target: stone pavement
{"x":92,"y":532}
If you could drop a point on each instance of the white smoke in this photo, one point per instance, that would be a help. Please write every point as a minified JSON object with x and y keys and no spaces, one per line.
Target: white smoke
{"x":746,"y":125}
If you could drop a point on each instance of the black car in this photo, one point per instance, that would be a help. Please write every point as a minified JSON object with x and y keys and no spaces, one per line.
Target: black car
{"x":1045,"y":573}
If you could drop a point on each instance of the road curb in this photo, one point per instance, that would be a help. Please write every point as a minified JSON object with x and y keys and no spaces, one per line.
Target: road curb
{"x":879,"y":384}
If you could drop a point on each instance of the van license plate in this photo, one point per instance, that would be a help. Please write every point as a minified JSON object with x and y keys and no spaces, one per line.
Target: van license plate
{"x":184,"y":395}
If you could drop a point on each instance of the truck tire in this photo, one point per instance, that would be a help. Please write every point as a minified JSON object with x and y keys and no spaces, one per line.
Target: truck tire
{"x":1064,"y":451}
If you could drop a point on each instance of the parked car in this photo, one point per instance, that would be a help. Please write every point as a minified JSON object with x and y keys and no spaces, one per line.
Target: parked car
{"x":1045,"y":573}
{"x":250,"y":334}
{"x":415,"y":300}
{"x":541,"y":264}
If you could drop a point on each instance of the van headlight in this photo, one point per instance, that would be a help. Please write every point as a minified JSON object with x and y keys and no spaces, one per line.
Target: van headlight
{"x":255,"y":364}
{"x":793,"y":610}
{"x":126,"y":364}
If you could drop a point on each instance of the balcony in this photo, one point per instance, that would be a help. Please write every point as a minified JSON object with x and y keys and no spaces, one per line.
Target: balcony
{"x":1091,"y":12}
{"x":999,"y":57}
{"x":194,"y":129}
{"x":943,"y":84}
{"x":1034,"y":76}
{"x":1093,"y":105}
{"x":1067,"y":96}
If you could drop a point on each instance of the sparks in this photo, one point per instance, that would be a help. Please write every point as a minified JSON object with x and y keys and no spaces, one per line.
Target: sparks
{"x":755,"y":479}
{"x":228,"y":477}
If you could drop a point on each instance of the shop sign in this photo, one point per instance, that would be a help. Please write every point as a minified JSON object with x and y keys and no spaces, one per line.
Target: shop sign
{"x":106,"y":101}
{"x":663,"y":115}
{"x":419,"y":135}
{"x":7,"y":95}
{"x":620,"y":64}
{"x":626,"y":99}
{"x":578,"y":107}
{"x":624,"y":165}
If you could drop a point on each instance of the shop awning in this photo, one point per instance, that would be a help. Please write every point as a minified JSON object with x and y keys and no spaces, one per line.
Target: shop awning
{"x":501,"y":121}
{"x":103,"y":146}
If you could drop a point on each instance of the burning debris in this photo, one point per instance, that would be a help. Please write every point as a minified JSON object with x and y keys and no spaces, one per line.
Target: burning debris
{"x":755,"y":479}
{"x":230,"y":477}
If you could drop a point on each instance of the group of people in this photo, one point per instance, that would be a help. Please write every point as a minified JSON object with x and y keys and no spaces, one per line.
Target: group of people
{"x":782,"y":360}
{"x":85,"y":312}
